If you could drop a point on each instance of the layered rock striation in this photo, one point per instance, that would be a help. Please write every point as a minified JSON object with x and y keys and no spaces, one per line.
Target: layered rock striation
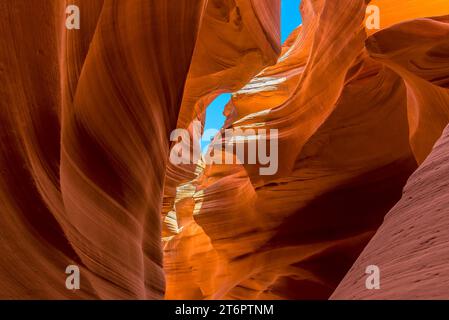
{"x":357,"y":112}
{"x":86,"y":118}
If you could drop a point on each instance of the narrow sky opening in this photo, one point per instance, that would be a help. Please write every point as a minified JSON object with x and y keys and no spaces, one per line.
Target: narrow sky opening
{"x":290,"y":17}
{"x":290,"y":20}
{"x":214,"y":117}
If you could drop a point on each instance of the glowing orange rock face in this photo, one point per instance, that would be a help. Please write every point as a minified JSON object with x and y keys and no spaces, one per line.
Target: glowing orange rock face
{"x":411,"y":245}
{"x":410,"y":248}
{"x":237,"y":39}
{"x":354,"y":110}
{"x":85,"y":124}
{"x":84,"y":143}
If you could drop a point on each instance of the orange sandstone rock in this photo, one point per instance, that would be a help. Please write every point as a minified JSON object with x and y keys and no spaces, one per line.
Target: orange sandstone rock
{"x":410,"y":248}
{"x":347,"y":121}
{"x":85,"y":137}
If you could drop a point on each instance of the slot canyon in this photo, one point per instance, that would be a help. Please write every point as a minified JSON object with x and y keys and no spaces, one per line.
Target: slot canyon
{"x":86,"y":117}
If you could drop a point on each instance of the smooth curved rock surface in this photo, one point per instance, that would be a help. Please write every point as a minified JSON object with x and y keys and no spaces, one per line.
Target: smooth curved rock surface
{"x":410,"y":248}
{"x":345,"y":106}
{"x":237,"y":39}
{"x":84,"y":144}
{"x":85,"y":127}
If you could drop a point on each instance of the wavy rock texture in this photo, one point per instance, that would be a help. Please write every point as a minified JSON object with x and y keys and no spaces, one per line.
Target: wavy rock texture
{"x":410,"y":247}
{"x":85,"y":122}
{"x":357,"y":112}
{"x":84,"y":143}
{"x":114,"y":138}
{"x":237,"y":39}
{"x":86,"y":119}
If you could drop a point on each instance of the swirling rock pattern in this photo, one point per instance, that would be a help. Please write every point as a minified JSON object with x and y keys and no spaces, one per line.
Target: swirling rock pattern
{"x":85,"y":124}
{"x":86,"y":117}
{"x":410,"y":248}
{"x":354,"y":110}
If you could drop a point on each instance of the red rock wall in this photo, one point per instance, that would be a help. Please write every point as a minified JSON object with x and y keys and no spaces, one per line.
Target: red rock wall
{"x":352,"y":127}
{"x":86,"y":117}
{"x":410,"y":248}
{"x":85,"y":123}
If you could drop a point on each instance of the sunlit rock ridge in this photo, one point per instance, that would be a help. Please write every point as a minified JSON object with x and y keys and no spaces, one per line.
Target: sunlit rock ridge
{"x":85,"y":140}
